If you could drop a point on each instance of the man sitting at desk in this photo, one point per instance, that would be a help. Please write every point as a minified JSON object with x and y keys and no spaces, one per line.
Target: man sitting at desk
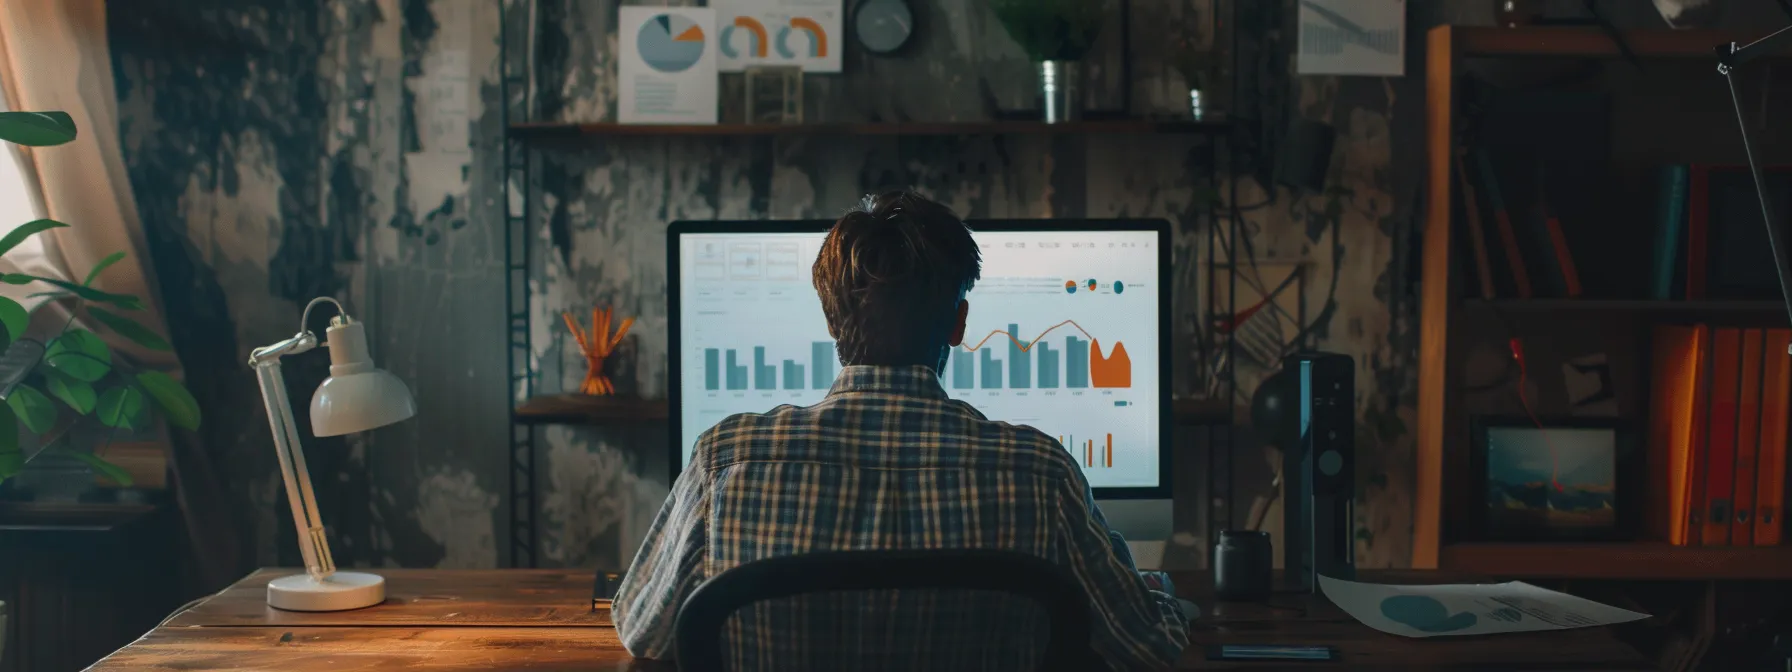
{"x":887,"y":461}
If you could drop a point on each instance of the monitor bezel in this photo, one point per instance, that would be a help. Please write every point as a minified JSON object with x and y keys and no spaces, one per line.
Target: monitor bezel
{"x":674,"y":315}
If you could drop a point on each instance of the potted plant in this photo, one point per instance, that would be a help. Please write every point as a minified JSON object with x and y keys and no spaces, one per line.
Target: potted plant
{"x":72,"y":376}
{"x":1056,"y":34}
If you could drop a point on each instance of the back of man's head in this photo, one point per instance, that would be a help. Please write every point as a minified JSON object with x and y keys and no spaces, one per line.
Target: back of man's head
{"x":891,"y":276}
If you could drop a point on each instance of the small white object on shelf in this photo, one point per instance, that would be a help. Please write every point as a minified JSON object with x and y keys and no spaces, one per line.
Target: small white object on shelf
{"x":355,"y":398}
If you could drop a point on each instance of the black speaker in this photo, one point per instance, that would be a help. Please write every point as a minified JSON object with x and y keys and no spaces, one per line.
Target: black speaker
{"x":1318,"y":476}
{"x":1306,"y":156}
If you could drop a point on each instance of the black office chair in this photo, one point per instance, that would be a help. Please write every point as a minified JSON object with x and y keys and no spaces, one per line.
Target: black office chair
{"x":700,"y":618}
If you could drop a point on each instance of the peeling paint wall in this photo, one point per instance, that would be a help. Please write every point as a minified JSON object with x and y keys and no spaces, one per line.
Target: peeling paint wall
{"x":284,"y":149}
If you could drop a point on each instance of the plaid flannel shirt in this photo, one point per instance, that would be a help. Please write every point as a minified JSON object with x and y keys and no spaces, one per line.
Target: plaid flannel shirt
{"x":887,"y":461}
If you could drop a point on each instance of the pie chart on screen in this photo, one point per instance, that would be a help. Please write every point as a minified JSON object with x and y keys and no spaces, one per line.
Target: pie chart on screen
{"x":670,"y":43}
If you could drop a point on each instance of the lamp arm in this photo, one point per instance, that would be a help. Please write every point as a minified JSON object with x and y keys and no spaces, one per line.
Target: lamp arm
{"x":303,"y":342}
{"x":313,"y":546}
{"x":1730,"y":56}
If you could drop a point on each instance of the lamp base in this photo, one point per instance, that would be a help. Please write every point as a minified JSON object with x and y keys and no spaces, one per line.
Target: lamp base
{"x":337,"y":592}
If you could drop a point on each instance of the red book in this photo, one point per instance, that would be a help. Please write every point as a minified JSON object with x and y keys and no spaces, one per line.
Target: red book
{"x":1720,"y":452}
{"x":1748,"y":440}
{"x":1698,"y":216}
{"x":1770,"y":470}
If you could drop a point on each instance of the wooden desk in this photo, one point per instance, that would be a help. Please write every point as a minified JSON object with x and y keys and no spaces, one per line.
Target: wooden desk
{"x":540,"y":620}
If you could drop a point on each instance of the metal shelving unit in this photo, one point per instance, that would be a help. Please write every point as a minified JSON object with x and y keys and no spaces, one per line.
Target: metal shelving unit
{"x":517,"y":93}
{"x":518,"y":24}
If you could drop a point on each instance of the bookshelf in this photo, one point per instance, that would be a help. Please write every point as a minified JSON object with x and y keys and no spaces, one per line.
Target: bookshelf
{"x":561,"y":131}
{"x":1441,"y":512}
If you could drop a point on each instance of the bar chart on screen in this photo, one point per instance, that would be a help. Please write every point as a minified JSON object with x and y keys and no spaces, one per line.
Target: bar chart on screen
{"x":1094,"y":455}
{"x":1035,"y":364}
{"x":728,"y":369}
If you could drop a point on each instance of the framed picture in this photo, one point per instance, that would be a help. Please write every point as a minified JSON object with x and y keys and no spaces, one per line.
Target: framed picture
{"x":1554,"y":479}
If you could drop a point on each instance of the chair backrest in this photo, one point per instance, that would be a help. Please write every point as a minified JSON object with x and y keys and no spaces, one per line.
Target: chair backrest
{"x":700,"y":618}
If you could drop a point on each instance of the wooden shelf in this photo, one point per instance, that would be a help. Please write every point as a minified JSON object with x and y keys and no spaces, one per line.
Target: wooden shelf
{"x":1635,"y":560}
{"x":1576,"y":41}
{"x":1775,"y":309}
{"x":589,"y":410}
{"x":581,"y":409}
{"x":71,"y":518}
{"x":548,"y":130}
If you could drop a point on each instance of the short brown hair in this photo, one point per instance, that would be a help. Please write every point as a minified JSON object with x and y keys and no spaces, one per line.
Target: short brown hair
{"x":890,"y":276}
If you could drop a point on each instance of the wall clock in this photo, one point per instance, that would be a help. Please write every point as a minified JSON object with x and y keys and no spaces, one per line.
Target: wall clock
{"x":883,"y":26}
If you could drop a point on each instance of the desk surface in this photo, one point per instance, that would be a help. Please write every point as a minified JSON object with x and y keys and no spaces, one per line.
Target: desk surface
{"x":541,"y":620}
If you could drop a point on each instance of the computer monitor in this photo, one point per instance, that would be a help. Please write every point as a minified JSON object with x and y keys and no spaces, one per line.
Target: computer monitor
{"x":1068,"y":332}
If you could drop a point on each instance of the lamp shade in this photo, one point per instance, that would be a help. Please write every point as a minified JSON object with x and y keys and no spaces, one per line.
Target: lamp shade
{"x":356,"y":397}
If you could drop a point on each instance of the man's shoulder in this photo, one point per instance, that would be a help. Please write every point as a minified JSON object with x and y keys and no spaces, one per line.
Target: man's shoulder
{"x":796,"y":431}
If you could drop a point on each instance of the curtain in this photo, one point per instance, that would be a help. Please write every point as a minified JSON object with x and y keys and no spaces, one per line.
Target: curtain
{"x":54,"y":56}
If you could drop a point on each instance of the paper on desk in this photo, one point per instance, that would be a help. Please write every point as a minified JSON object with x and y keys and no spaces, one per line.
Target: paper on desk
{"x":1467,"y":609}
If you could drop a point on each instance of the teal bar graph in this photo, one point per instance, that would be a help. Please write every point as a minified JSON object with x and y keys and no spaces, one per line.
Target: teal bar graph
{"x":765,"y":376}
{"x":1076,"y":362}
{"x":819,"y":373}
{"x":821,"y":364}
{"x":793,"y":375}
{"x":737,"y":374}
{"x":1020,"y":369}
{"x":961,"y":370}
{"x":1048,"y":365}
{"x":992,"y":370}
{"x":712,"y":369}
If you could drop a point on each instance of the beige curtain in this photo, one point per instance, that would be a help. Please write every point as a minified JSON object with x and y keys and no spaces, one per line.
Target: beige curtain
{"x":54,"y":56}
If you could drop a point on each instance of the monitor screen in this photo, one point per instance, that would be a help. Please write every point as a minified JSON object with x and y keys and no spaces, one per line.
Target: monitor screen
{"x":1064,"y":334}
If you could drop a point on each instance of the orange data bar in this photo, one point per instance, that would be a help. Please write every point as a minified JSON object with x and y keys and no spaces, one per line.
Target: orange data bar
{"x":1110,"y":454}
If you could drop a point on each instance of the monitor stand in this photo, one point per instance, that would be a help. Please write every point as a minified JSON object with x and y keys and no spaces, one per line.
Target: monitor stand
{"x":1147,"y":525}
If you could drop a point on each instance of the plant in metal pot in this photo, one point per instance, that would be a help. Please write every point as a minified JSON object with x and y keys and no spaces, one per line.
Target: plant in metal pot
{"x":70,"y":377}
{"x":1052,"y":30}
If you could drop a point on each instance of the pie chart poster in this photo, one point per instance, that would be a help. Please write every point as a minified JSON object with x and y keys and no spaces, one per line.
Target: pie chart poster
{"x":667,"y":65}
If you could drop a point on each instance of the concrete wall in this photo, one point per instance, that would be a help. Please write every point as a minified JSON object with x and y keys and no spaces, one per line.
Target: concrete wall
{"x":284,"y":149}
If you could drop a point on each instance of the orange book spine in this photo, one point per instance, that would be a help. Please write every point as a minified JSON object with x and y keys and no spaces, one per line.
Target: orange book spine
{"x":1677,"y":360}
{"x":1770,"y":472}
{"x":1748,"y":439}
{"x":1698,"y":441}
{"x":1720,"y":446}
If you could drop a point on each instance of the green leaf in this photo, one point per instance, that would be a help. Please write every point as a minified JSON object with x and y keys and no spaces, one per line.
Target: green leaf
{"x":108,"y":469}
{"x":130,"y":329}
{"x":19,"y":234}
{"x":177,"y":404}
{"x":14,"y":317}
{"x":80,"y":355}
{"x":37,"y":129}
{"x":110,"y":259}
{"x":77,"y":394}
{"x":122,"y":406}
{"x":12,"y":460}
{"x":124,"y":301}
{"x":33,"y":408}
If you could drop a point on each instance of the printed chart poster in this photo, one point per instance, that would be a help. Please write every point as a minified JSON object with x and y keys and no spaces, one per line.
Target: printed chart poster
{"x":807,"y":33}
{"x":667,"y":66}
{"x":1352,"y":37}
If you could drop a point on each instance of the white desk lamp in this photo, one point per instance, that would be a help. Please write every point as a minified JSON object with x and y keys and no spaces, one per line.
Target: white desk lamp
{"x":355,"y":398}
